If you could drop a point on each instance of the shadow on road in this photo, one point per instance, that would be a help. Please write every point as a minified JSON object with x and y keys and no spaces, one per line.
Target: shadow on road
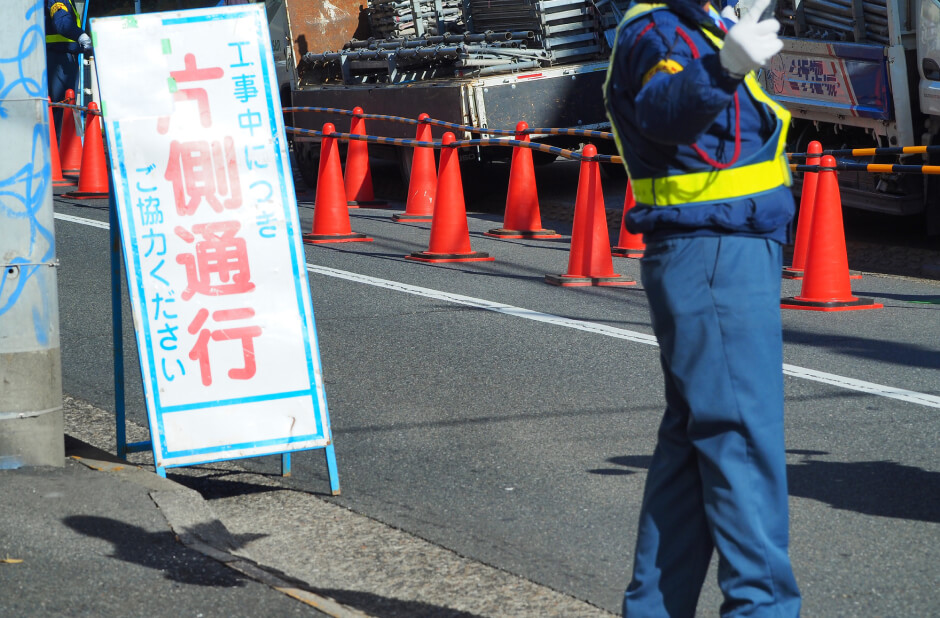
{"x":879,"y":488}
{"x":155,"y":550}
{"x":871,"y":348}
{"x":375,"y":605}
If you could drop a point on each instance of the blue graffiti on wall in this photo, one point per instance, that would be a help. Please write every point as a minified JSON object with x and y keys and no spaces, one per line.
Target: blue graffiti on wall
{"x":23,"y":192}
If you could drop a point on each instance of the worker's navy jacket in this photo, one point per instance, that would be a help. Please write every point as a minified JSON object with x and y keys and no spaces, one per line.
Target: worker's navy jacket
{"x":62,"y":27}
{"x":676,"y":111}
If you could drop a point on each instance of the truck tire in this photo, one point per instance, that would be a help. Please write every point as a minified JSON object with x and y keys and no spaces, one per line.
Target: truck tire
{"x":610,"y":171}
{"x":543,"y":158}
{"x":307,"y":157}
{"x":932,"y":200}
{"x":403,"y":156}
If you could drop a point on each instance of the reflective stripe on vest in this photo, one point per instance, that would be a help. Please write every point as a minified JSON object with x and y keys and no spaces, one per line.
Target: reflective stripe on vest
{"x":58,"y":38}
{"x":715,"y":185}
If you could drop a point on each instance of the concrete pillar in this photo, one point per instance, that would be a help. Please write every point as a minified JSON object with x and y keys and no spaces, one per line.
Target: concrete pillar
{"x":31,"y":426}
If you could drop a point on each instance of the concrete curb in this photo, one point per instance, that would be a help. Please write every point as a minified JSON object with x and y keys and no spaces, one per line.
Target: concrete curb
{"x":335,"y":560}
{"x":196,"y":526}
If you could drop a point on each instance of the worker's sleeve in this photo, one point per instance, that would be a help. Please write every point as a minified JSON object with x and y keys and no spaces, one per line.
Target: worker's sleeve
{"x":678,"y":95}
{"x":64,"y":20}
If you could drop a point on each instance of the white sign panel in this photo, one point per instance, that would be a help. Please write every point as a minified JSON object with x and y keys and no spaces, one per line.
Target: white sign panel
{"x":208,"y":218}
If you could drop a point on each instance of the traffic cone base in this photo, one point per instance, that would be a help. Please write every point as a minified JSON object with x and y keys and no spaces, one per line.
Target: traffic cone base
{"x":856,"y":302}
{"x":78,"y":195}
{"x":367,"y":204}
{"x":626,"y":252}
{"x":427,"y":256}
{"x":404,"y":217}
{"x":796,"y":273}
{"x":530,"y":234}
{"x":318,"y":239}
{"x":571,"y":281}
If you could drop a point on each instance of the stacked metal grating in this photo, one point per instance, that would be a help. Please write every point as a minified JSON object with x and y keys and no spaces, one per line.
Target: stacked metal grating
{"x":567,"y":30}
{"x":415,"y":18}
{"x":401,"y":59}
{"x":859,"y":21}
{"x":427,"y":39}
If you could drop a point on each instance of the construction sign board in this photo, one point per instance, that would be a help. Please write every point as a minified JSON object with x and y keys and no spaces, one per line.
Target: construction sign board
{"x":211,"y":237}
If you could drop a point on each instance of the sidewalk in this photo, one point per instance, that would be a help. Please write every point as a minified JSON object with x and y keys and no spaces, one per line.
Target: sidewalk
{"x":107,"y":538}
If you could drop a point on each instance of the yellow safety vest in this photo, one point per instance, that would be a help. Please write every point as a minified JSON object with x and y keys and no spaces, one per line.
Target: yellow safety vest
{"x":715,"y":185}
{"x":61,"y":6}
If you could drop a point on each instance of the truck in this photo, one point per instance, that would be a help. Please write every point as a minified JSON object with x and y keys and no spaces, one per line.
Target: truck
{"x":864,"y":73}
{"x":853,"y":73}
{"x":480,"y":63}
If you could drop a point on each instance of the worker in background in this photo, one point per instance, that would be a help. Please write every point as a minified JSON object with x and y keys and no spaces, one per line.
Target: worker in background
{"x":65,"y":39}
{"x":704,"y":147}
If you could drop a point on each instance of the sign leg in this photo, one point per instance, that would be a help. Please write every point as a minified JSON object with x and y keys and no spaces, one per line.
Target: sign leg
{"x":331,"y":468}
{"x":117,"y":328}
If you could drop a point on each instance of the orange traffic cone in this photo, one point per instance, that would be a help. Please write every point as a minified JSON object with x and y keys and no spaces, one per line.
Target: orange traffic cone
{"x":826,"y":275}
{"x":423,"y":182}
{"x":589,"y":262}
{"x":358,"y":178}
{"x":629,"y":245}
{"x":522,"y":218}
{"x":805,"y":215}
{"x":805,"y":218}
{"x":70,"y":144}
{"x":93,"y":179}
{"x":58,"y":180}
{"x":450,"y":234}
{"x":330,"y":215}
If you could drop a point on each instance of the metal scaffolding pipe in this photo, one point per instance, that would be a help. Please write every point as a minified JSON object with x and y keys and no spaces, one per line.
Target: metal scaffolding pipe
{"x":512,"y":66}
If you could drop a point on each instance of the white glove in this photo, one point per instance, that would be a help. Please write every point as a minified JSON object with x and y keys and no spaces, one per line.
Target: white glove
{"x":750,"y":44}
{"x":85,"y":41}
{"x":729,"y":12}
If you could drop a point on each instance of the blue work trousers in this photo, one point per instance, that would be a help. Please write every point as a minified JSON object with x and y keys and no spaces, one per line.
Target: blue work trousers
{"x":717,"y":479}
{"x":62,"y":75}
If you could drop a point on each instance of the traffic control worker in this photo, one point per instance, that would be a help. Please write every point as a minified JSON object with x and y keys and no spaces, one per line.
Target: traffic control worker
{"x":704,"y":148}
{"x":65,"y":39}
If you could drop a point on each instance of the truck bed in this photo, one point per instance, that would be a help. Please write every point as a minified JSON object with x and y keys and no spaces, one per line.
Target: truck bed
{"x":560,"y":97}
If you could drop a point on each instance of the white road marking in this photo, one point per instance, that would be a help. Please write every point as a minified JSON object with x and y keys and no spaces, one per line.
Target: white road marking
{"x":81,"y":220}
{"x":812,"y":375}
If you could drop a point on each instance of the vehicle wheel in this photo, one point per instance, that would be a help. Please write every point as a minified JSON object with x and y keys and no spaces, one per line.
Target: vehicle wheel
{"x":611,"y":171}
{"x":307,"y":155}
{"x":932,"y":201}
{"x":404,"y":157}
{"x":543,"y":158}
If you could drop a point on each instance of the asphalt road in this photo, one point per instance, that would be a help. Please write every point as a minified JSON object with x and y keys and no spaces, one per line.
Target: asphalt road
{"x":512,"y":421}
